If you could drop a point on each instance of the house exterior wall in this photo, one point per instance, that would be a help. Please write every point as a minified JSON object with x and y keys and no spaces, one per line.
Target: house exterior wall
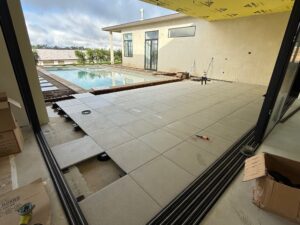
{"x":244,"y":49}
{"x":57,"y":62}
{"x":8,"y":81}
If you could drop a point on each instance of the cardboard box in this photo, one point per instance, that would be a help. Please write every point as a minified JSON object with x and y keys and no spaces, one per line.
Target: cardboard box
{"x":11,"y":142}
{"x":11,"y":139}
{"x":34,"y":193}
{"x":6,"y":117}
{"x":277,"y":186}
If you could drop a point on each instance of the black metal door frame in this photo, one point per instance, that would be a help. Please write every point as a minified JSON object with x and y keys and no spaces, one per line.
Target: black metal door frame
{"x":68,"y":202}
{"x":279,"y":72}
{"x":151,"y":54}
{"x":70,"y":206}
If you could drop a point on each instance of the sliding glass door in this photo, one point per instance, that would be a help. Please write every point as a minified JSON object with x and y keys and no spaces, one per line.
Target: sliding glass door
{"x":151,"y":50}
{"x":284,"y":85}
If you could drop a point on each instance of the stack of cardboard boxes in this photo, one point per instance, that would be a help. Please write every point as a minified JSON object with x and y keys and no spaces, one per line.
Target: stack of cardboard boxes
{"x":11,"y":139}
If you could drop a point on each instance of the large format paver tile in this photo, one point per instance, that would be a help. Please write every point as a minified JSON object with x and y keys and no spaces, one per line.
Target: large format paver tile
{"x":80,"y":118}
{"x":131,"y":155}
{"x":216,"y":145}
{"x":160,"y":140}
{"x":75,"y":108}
{"x":69,"y":102}
{"x":139,"y":127}
{"x":196,"y":120}
{"x":98,"y":104}
{"x":73,"y":152}
{"x":181,"y":129}
{"x":227,"y":132}
{"x":162,"y":179}
{"x":83,"y":95}
{"x":237,"y":124}
{"x":158,"y":107}
{"x":108,"y":110}
{"x":140,"y":111}
{"x":155,"y":119}
{"x":121,"y":203}
{"x":112,"y":137}
{"x":190,"y":157}
{"x":121,"y":118}
{"x":246,"y":113}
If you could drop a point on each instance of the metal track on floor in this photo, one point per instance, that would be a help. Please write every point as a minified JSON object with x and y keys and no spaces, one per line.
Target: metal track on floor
{"x":191,"y":206}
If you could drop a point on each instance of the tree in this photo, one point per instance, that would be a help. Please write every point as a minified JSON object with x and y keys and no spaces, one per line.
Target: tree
{"x":99,"y":55}
{"x":90,"y":53}
{"x":81,"y":56}
{"x":118,"y":55}
{"x":102,"y":55}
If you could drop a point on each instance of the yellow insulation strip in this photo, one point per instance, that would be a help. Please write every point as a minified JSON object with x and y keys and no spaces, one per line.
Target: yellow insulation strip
{"x":224,"y":9}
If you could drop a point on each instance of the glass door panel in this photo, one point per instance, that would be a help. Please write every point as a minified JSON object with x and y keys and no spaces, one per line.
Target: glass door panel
{"x":151,"y":50}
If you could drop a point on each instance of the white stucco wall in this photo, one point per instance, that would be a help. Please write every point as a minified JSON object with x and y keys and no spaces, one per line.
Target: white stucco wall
{"x":228,"y":41}
{"x":57,"y":62}
{"x":9,"y":83}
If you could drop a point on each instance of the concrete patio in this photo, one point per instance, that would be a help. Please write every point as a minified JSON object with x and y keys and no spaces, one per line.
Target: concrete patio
{"x":236,"y":203}
{"x":150,"y":133}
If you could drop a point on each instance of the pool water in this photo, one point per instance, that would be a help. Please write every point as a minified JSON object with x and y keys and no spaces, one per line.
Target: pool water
{"x":100,"y":78}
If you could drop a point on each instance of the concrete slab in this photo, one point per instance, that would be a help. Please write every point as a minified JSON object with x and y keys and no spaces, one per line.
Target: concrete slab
{"x":106,"y":173}
{"x":162,"y":179}
{"x":121,"y":203}
{"x":28,"y":166}
{"x":236,"y":203}
{"x":290,"y":142}
{"x":76,"y":151}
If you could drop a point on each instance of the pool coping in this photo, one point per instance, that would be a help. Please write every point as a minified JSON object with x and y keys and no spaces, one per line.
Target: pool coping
{"x":68,"y":84}
{"x":77,"y":89}
{"x":133,"y":86}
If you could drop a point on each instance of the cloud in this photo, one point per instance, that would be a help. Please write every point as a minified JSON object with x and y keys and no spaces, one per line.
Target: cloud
{"x":79,"y":22}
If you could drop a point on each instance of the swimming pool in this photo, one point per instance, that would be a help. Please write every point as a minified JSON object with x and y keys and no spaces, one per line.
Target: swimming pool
{"x":100,"y":78}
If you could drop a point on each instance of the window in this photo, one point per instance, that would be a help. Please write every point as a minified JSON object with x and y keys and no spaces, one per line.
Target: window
{"x":151,"y":35}
{"x":127,"y":38}
{"x":182,"y":32}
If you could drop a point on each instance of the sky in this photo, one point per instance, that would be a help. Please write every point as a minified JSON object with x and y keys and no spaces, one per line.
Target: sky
{"x":79,"y":22}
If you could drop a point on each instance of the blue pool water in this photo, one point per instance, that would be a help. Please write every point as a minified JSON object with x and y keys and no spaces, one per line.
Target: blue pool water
{"x":99,"y":78}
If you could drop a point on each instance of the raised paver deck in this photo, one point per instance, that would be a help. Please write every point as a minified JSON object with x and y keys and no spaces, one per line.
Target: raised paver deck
{"x":73,"y":152}
{"x":151,"y":134}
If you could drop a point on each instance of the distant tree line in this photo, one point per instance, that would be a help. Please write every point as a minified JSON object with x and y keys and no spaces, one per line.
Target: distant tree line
{"x":45,"y":46}
{"x":84,"y":55}
{"x":97,"y":56}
